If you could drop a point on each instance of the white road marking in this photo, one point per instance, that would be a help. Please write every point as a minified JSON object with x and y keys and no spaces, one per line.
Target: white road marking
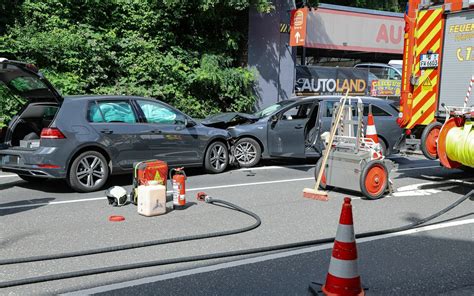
{"x":262,"y":258}
{"x":8,"y":176}
{"x":398,"y":194}
{"x":414,"y":189}
{"x":272,"y":167}
{"x":188,"y":190}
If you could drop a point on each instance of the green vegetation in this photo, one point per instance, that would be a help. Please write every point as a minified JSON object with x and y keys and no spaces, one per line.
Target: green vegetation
{"x":388,"y":5}
{"x":191,"y":54}
{"x":187,"y":53}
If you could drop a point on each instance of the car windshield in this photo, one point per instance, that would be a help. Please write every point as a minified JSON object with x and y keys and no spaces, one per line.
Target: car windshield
{"x":271,"y":109}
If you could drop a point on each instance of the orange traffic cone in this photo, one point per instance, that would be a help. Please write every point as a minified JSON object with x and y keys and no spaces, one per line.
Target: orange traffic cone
{"x":371,"y":133}
{"x":343,"y":275}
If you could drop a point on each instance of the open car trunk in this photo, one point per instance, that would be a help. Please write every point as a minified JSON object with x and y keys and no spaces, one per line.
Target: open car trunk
{"x":25,"y":129}
{"x":21,"y":84}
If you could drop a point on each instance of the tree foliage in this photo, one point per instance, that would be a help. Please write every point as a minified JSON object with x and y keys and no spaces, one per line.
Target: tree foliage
{"x":388,"y":5}
{"x":187,"y":53}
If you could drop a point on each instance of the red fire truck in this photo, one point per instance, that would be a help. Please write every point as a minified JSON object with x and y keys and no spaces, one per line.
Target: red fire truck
{"x":438,"y":68}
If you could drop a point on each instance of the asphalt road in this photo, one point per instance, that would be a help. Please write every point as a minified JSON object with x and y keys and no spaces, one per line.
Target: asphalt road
{"x":48,"y":218}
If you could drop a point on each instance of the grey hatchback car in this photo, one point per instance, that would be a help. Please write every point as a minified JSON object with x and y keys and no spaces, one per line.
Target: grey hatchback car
{"x":85,"y":139}
{"x":291,"y":128}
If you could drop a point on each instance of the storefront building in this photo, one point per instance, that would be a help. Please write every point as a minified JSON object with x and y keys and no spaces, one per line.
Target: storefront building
{"x":336,"y":36}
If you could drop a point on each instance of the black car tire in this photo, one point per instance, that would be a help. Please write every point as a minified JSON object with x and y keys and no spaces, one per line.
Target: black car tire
{"x":31,"y":179}
{"x":216,"y":158}
{"x":250,"y":146}
{"x":77,"y":172}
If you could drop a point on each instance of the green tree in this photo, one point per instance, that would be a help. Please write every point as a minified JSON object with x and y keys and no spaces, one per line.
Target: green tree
{"x":183,"y":52}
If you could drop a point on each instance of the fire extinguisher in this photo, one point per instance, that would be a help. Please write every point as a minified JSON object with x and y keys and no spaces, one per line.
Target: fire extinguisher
{"x":178,"y":178}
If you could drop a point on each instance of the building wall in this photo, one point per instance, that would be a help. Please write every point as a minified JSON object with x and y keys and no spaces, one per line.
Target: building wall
{"x":274,"y":60}
{"x":270,"y":55}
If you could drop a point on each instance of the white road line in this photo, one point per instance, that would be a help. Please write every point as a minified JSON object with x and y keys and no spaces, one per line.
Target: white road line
{"x":191,"y":189}
{"x":262,"y":258}
{"x":272,"y":167}
{"x":8,"y":176}
{"x":415,"y":190}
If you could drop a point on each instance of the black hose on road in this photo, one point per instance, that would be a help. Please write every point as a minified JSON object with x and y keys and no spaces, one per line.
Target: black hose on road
{"x":124,"y":267}
{"x":148,"y":243}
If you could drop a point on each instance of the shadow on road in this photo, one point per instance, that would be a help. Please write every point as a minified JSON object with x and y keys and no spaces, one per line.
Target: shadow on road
{"x":15,"y":207}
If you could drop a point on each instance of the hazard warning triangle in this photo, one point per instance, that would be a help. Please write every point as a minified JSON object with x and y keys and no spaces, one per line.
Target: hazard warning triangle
{"x":427,"y":82}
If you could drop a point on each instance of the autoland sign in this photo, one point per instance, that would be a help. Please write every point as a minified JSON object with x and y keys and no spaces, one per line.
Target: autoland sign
{"x":318,"y":80}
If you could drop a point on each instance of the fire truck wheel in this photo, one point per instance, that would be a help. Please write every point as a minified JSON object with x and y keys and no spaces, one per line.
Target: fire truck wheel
{"x":323,"y":184}
{"x":429,"y":140}
{"x":374,"y":179}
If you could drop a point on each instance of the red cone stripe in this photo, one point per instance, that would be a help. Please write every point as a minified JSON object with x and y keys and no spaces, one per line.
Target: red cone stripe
{"x":344,"y":251}
{"x":343,"y":275}
{"x":346,"y":213}
{"x":343,"y":286}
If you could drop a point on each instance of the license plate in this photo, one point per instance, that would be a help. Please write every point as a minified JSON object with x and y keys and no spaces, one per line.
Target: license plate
{"x":429,"y":61}
{"x":10,"y":160}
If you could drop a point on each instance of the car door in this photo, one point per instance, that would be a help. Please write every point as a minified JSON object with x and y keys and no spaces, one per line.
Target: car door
{"x":173,"y":136}
{"x":116,"y":121}
{"x":286,"y":130}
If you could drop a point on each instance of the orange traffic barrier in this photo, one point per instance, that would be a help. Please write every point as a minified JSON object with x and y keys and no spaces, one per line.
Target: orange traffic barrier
{"x":343,"y":276}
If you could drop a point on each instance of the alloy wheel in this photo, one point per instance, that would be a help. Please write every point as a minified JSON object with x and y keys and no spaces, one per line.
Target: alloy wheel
{"x":90,"y":171}
{"x":245,"y":153}
{"x":218,"y":157}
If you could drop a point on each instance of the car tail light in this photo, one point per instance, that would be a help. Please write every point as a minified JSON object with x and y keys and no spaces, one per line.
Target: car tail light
{"x":48,"y":166}
{"x":408,"y":132}
{"x":52,"y":133}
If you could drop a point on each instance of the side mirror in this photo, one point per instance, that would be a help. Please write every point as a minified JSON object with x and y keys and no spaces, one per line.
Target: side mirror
{"x":189,"y":123}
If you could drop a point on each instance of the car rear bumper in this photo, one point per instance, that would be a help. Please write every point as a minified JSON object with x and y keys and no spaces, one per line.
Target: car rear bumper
{"x":42,"y":162}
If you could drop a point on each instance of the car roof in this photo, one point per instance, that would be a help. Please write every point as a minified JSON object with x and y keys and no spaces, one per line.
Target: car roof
{"x":374,"y":64}
{"x":105,"y":97}
{"x":337,"y":97}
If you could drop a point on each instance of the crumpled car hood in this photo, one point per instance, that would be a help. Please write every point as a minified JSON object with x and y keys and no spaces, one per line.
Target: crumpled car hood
{"x":228,"y":119}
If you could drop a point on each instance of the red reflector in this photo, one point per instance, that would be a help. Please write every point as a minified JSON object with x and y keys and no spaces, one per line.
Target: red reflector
{"x":48,"y":166}
{"x":52,"y":133}
{"x":399,"y":121}
{"x":459,"y":121}
{"x":408,"y":132}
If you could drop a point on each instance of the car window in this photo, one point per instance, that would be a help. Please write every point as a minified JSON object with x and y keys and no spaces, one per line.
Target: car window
{"x":329,"y":106}
{"x":394,"y":75}
{"x":376,"y":111}
{"x":111,"y":111}
{"x":301,"y":111}
{"x":380,"y":72}
{"x":271,"y":109}
{"x":158,"y":113}
{"x":25,"y":84}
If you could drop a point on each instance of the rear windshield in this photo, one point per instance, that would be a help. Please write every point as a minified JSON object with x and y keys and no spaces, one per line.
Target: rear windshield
{"x":27,"y":84}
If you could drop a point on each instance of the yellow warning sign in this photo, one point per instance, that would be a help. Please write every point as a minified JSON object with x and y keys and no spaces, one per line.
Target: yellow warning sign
{"x":158,"y":178}
{"x":427,"y":85}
